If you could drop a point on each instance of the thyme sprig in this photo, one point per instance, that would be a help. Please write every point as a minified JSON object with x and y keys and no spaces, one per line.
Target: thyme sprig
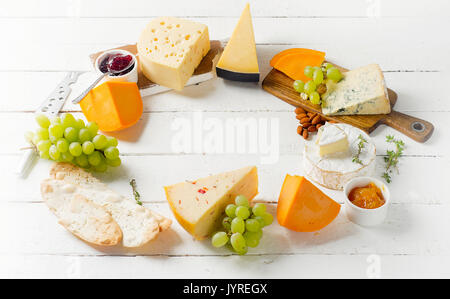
{"x":361,"y":145}
{"x":392,"y":157}
{"x":136,"y":194}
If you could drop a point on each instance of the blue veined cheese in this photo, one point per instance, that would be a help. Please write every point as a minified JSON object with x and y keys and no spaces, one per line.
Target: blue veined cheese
{"x":361,"y":91}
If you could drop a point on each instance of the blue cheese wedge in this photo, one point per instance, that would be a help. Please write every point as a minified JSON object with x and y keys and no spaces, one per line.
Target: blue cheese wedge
{"x":332,"y":140}
{"x":362,"y":91}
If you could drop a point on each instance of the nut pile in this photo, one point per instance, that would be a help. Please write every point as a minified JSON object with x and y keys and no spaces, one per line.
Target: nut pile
{"x":309,"y":122}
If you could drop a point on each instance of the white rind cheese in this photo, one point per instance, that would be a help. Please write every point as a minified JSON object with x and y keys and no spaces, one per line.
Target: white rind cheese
{"x":333,"y":172}
{"x":331,"y":140}
{"x":170,"y":49}
{"x":361,"y":91}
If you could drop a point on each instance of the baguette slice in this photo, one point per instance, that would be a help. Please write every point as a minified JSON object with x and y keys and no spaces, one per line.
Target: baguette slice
{"x":83,"y":218}
{"x":139,"y":225}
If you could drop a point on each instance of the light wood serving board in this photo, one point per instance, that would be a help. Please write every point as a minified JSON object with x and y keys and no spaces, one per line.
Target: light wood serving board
{"x":420,"y":130}
{"x":205,"y":70}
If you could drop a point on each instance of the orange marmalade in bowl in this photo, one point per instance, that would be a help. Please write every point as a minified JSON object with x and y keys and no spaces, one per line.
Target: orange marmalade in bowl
{"x":367,"y":197}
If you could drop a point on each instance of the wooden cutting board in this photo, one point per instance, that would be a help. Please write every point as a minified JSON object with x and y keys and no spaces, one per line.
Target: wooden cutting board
{"x":205,"y":70}
{"x":420,"y":130}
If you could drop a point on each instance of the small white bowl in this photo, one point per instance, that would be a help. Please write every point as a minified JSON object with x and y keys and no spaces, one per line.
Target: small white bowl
{"x":366,"y":217}
{"x":131,"y":76}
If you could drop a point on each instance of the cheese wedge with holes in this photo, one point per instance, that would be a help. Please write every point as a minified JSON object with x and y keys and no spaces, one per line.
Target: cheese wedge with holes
{"x":199,"y":205}
{"x":239,"y":61}
{"x":170,"y":49}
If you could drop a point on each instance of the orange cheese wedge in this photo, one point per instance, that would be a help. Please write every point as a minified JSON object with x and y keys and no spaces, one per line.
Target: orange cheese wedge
{"x":113,"y":105}
{"x":292,"y":62}
{"x":302,"y":207}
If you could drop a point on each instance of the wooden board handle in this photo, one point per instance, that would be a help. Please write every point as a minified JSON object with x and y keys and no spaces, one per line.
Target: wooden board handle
{"x":415,"y":128}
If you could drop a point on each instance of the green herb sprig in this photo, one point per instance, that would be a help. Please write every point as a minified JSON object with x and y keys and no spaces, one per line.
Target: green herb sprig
{"x":392,"y":157}
{"x":361,"y":145}
{"x":136,"y":194}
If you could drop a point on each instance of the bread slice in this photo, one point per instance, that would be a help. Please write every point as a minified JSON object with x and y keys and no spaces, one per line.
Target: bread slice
{"x":139,"y":225}
{"x":80,"y":216}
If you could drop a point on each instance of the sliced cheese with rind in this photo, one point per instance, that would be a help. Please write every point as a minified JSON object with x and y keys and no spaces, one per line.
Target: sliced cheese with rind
{"x":331,"y":140}
{"x":199,"y":205}
{"x":334,"y":171}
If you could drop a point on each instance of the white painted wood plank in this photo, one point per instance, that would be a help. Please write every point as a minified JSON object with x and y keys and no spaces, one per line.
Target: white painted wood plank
{"x":231,"y":267}
{"x":415,"y":184}
{"x":416,"y":91}
{"x":162,"y":133}
{"x":409,"y":230}
{"x":61,"y":44}
{"x":204,"y":8}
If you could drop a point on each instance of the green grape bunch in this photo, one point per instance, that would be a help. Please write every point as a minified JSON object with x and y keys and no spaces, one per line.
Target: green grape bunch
{"x":316,"y":87}
{"x":243,"y":225}
{"x":66,"y":139}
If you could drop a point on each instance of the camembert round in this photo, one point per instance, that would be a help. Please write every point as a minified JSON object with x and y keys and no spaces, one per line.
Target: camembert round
{"x":334,"y":171}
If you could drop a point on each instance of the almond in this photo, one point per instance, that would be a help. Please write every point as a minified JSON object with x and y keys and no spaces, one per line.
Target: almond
{"x":312,"y":129}
{"x":316,"y":120}
{"x":305,"y":134}
{"x":299,"y":110}
{"x":306,"y":125}
{"x":299,"y":130}
{"x":318,"y":126}
{"x":301,"y":115}
{"x":311,"y":114}
{"x":305,"y":120}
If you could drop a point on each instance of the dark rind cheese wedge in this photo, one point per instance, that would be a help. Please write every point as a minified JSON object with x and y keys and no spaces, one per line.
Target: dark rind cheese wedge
{"x":237,"y":76}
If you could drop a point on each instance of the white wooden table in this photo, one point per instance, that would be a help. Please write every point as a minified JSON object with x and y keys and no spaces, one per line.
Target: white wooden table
{"x":42,"y":40}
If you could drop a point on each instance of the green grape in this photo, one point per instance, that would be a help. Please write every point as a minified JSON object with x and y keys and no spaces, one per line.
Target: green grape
{"x":67,"y":157}
{"x":242,"y":212}
{"x":309,"y":71}
{"x":99,"y":142}
{"x":44,"y":155}
{"x":82,"y":160}
{"x":111,"y":153}
{"x":75,"y":149}
{"x":252,"y":239}
{"x":259,"y":209}
{"x":92,"y":127}
{"x":56,"y":130}
{"x":318,"y":76}
{"x":42,"y":121}
{"x":88,"y":147}
{"x":44,"y":145}
{"x":310,"y":86}
{"x":261,"y":221}
{"x":327,"y":65}
{"x":230,"y":210}
{"x":54,"y":153}
{"x":95,"y":158}
{"x":314,"y":97}
{"x":299,"y":85}
{"x":237,"y":225}
{"x":252,"y":225}
{"x":268,"y":218}
{"x":29,"y":136}
{"x":55,"y":121}
{"x":84,"y":135}
{"x":111,"y":141}
{"x":67,"y":120}
{"x":114,"y":163}
{"x":42,"y":134}
{"x":238,"y":243}
{"x":226,"y":223}
{"x":62,"y":145}
{"x":241,"y":200}
{"x":219,"y":239}
{"x":71,"y":134}
{"x":334,"y":74}
{"x":102,"y":167}
{"x":79,"y":124}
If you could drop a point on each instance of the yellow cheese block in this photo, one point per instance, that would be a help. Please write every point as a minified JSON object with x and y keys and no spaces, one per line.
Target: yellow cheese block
{"x":239,"y":61}
{"x":170,"y":49}
{"x":199,"y":205}
{"x":113,"y":105}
